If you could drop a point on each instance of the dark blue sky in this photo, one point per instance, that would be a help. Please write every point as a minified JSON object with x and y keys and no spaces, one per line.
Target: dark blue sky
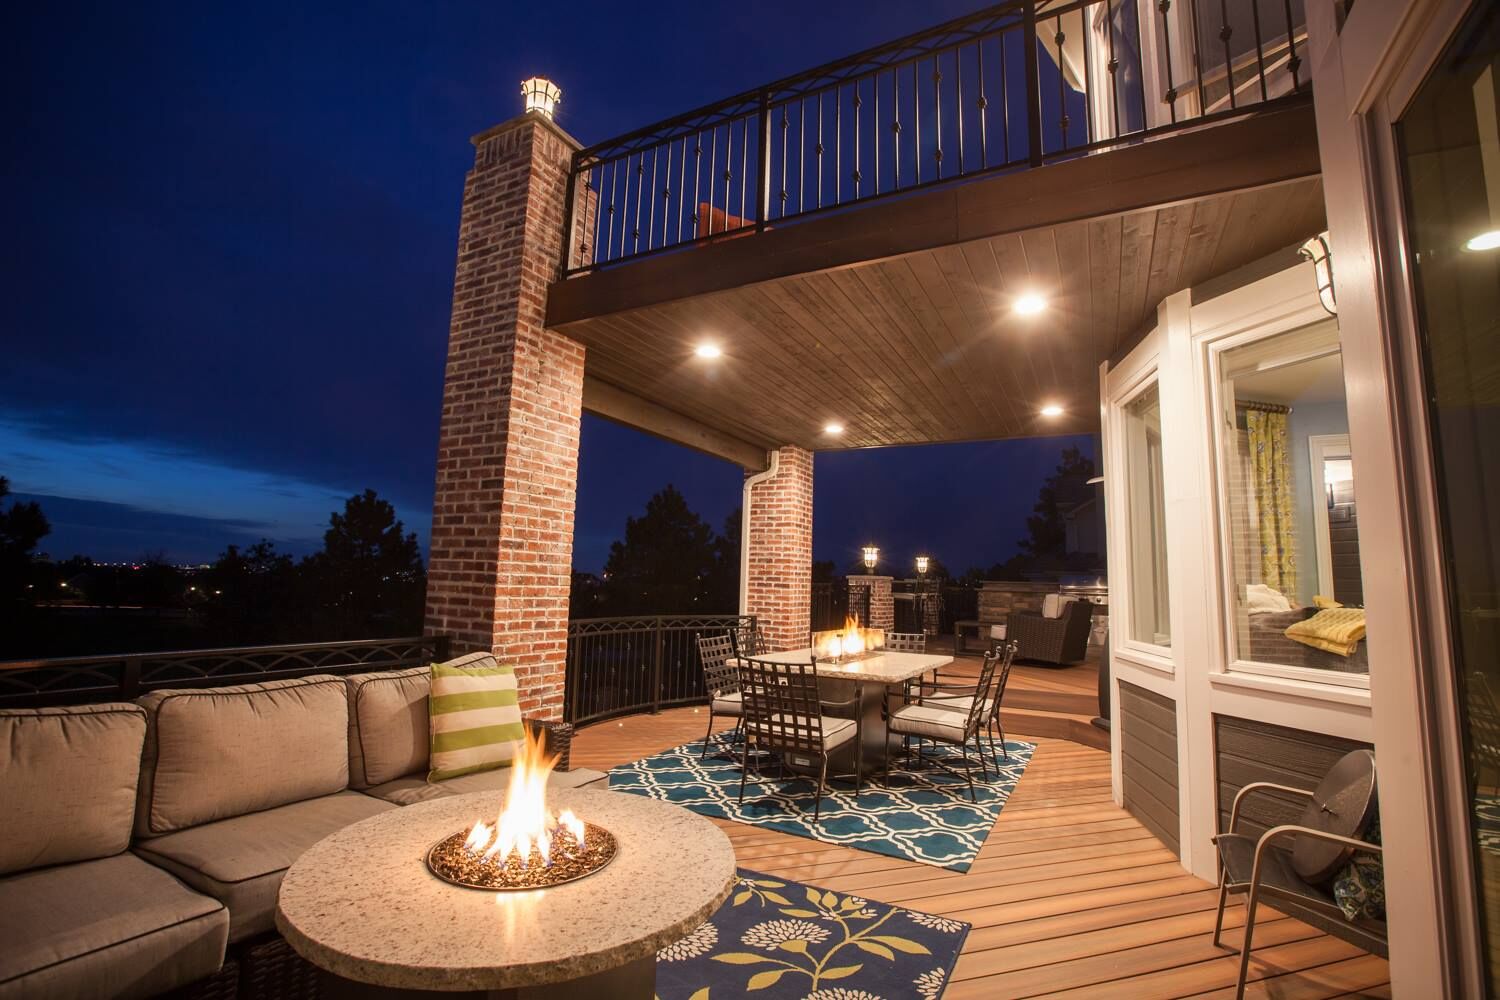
{"x":228,"y":263}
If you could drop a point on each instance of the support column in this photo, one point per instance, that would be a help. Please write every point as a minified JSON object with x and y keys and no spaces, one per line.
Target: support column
{"x":778,"y":533}
{"x":882,"y":603}
{"x":507,"y":468}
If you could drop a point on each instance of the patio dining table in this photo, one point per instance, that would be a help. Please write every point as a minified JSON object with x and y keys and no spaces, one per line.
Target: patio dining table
{"x":866,"y":681}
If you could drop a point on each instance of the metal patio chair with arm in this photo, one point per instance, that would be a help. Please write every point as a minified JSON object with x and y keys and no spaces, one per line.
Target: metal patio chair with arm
{"x":960,"y":697}
{"x":783,"y":715}
{"x":1291,"y":863}
{"x":721,"y":680}
{"x":943,"y":725}
{"x":748,"y":640}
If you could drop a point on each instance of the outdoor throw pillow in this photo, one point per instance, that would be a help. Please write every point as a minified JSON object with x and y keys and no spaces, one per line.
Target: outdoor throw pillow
{"x":476,"y":719}
{"x":1359,"y":888}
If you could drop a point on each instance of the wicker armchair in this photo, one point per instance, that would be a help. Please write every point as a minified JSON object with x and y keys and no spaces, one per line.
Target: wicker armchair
{"x":1061,"y":641}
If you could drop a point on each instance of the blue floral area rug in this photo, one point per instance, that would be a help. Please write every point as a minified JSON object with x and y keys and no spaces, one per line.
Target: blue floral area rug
{"x":924,"y":816}
{"x":778,"y":940}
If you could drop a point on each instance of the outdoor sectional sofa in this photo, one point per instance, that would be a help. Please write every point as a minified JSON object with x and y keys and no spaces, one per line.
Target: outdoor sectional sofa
{"x":144,"y":843}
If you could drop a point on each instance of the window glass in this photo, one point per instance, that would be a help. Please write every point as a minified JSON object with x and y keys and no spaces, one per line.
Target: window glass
{"x":1292,"y":508}
{"x":1150,"y":619}
{"x":1450,"y":151}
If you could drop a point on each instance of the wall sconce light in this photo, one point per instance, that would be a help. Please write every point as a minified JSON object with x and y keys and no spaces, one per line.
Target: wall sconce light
{"x":922,"y":562}
{"x":1317,"y":251}
{"x":871,"y":554}
{"x":541,"y":95}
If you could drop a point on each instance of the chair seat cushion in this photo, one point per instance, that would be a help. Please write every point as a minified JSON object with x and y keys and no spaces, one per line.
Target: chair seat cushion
{"x":729,"y":704}
{"x":115,"y":927}
{"x":956,"y":703}
{"x":925,"y":720}
{"x":836,"y":731}
{"x":416,"y":788}
{"x":240,"y":861}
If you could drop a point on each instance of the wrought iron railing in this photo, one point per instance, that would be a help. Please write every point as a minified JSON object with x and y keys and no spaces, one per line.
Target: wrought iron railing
{"x":1011,"y":86}
{"x":80,"y":679}
{"x":617,"y":666}
{"x":833,"y":603}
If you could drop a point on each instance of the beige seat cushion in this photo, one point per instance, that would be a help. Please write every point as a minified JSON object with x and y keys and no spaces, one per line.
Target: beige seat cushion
{"x":67,"y":783}
{"x":388,"y":730}
{"x":729,"y":704}
{"x":416,"y":788}
{"x":213,"y":753}
{"x":957,"y":703}
{"x":836,"y":731}
{"x":115,"y":927}
{"x":240,"y":861}
{"x":925,"y":720}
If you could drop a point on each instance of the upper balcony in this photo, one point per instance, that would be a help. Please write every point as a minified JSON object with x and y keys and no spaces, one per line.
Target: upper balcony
{"x":1112,"y":151}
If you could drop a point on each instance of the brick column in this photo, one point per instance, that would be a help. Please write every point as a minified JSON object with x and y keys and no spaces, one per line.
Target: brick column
{"x":507,"y":468}
{"x":778,"y":527}
{"x":882,"y":604}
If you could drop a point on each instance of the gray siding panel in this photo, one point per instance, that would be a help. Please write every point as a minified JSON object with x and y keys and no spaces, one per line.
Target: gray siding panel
{"x":1247,"y":751}
{"x":1148,"y":761}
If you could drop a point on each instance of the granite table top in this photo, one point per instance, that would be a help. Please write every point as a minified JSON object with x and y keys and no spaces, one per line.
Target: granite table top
{"x":882,"y":668}
{"x":362,"y":904}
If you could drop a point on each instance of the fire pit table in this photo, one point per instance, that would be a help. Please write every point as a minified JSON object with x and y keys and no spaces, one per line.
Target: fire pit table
{"x":363,"y":906}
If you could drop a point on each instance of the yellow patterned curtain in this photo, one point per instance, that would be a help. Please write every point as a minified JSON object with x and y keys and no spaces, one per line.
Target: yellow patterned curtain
{"x":1273,"y":499}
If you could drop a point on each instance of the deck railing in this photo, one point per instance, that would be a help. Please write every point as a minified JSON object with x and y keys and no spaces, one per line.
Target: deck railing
{"x":1012,"y":86}
{"x":619,"y":666}
{"x":81,"y":679}
{"x":833,"y":603}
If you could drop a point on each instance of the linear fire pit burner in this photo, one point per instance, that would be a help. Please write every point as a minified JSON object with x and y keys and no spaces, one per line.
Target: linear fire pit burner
{"x":451,"y":860}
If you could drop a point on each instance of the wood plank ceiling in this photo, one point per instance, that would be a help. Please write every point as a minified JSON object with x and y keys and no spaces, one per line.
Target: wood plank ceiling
{"x":925,"y":347}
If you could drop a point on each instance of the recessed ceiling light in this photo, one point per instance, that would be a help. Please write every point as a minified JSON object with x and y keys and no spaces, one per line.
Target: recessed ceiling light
{"x":1484,"y":241}
{"x":708,"y":351}
{"x":1029,"y":304}
{"x":833,"y":428}
{"x":1052,"y":410}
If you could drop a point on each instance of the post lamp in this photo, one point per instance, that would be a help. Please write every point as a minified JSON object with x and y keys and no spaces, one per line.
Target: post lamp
{"x":1317,"y":251}
{"x":871,"y":554}
{"x":541,"y":95}
{"x":922,"y":566}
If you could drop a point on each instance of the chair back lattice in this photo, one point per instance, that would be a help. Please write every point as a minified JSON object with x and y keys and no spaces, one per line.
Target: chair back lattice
{"x":906,"y":642}
{"x":719,"y":676}
{"x":984,"y":688}
{"x":782,"y":710}
{"x":1007,"y":655}
{"x":749,"y":642}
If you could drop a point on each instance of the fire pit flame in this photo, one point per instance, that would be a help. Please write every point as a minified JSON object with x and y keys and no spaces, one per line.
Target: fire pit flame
{"x":527,"y":847}
{"x":850,"y":642}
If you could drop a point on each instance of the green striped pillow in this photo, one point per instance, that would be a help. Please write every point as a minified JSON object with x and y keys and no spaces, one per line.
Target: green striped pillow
{"x":476,"y":718}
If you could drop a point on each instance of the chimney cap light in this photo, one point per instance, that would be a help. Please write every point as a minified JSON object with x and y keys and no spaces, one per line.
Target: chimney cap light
{"x":541,"y":95}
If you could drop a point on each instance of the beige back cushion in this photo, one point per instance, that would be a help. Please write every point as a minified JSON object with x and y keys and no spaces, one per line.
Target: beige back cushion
{"x":387,"y":725}
{"x":213,"y":753}
{"x":67,"y":783}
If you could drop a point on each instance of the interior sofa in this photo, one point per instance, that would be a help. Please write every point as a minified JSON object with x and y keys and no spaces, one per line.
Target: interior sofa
{"x":146,"y":842}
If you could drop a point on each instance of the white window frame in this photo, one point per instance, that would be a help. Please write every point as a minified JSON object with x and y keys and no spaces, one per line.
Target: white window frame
{"x":1321,"y":448}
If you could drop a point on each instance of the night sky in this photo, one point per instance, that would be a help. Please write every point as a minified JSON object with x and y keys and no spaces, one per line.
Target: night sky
{"x":228,"y":264}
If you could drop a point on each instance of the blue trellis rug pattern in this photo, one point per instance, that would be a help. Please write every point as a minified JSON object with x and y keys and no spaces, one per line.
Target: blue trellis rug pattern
{"x":778,"y":939}
{"x":925,"y":815}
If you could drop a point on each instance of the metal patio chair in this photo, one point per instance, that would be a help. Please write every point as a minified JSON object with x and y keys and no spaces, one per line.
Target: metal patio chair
{"x":783,"y":715}
{"x":962,"y":699}
{"x":722,"y":682}
{"x":1293,"y":863}
{"x":906,"y":642}
{"x":943,"y":725}
{"x":748,"y":640}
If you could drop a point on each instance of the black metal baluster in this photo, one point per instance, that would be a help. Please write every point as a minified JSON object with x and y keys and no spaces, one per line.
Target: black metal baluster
{"x":728,"y":174}
{"x":640,"y":180}
{"x":744,"y":166}
{"x":1292,"y":61}
{"x":958,"y":103}
{"x":1225,"y":33}
{"x":875,"y":130}
{"x":697,"y":173}
{"x":1165,"y":6}
{"x":1113,"y":66}
{"x":838,"y":145}
{"x":916,"y":118}
{"x":624,"y":206}
{"x":609,"y":228}
{"x":1004,"y":104}
{"x":981,"y":103}
{"x":597,"y":173}
{"x":681,"y":186}
{"x":819,"y":149}
{"x":937,"y":114}
{"x":1197,"y":55}
{"x":802,"y":156}
{"x":1260,"y":49}
{"x":651,"y":212}
{"x":896,"y":126}
{"x":785,"y":124}
{"x":1058,"y":38}
{"x":713,"y":180}
{"x":855,"y":176}
{"x":1088,"y":78}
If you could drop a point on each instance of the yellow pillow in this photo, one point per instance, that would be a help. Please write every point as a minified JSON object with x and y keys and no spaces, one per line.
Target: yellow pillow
{"x":1325,"y":602}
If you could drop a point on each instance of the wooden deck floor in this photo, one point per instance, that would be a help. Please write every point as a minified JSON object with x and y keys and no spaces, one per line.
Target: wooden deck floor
{"x":1070,"y":896}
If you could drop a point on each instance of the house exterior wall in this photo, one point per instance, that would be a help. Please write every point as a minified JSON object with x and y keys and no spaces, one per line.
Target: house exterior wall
{"x":502,"y":531}
{"x":778,"y":566}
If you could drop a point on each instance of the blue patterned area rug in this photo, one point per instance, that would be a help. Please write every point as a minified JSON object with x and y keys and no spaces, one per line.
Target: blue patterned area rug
{"x":778,"y":940}
{"x":924,"y":816}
